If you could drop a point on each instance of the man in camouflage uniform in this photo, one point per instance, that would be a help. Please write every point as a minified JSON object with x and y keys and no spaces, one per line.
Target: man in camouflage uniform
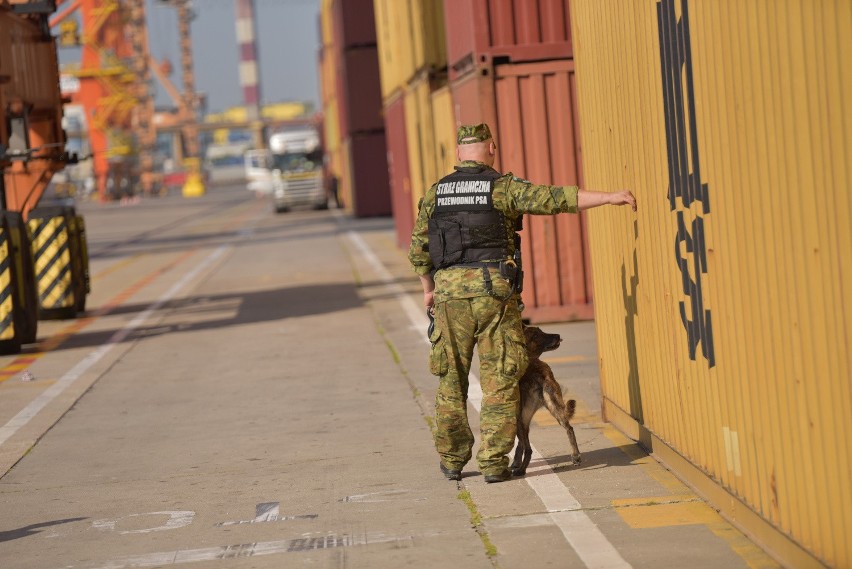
{"x":462,"y":247}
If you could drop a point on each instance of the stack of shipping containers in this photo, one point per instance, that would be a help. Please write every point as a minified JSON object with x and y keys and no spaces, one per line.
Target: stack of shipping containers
{"x":354,"y":127}
{"x":417,"y":108}
{"x":723,"y":306}
{"x":451,"y":62}
{"x":510,"y":66}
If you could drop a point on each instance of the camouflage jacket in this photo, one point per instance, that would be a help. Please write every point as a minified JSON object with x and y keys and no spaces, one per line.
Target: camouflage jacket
{"x":512,"y":196}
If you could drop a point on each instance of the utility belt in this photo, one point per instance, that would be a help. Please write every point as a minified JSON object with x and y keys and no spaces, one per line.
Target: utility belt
{"x":508,"y":269}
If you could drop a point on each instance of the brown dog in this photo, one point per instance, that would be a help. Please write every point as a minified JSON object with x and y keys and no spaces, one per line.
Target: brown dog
{"x":539,"y":388}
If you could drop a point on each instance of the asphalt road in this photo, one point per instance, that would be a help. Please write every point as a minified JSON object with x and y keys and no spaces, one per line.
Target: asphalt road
{"x":249,"y":389}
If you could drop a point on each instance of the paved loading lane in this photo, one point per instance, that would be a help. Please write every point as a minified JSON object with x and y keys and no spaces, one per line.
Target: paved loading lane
{"x":266,"y":403}
{"x":236,"y":401}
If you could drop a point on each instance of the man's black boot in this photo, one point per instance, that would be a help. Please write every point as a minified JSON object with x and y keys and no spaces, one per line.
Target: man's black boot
{"x":501,"y":477}
{"x":450,"y":474}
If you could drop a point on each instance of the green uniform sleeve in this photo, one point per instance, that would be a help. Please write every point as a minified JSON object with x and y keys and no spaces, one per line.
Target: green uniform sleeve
{"x":418,"y":253}
{"x":540,"y":199}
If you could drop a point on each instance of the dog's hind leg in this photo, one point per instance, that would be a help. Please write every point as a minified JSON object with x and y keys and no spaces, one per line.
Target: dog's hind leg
{"x":563,"y":412}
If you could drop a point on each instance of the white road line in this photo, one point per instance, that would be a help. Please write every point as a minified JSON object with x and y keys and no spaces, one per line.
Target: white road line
{"x":587,"y":540}
{"x":39,"y":403}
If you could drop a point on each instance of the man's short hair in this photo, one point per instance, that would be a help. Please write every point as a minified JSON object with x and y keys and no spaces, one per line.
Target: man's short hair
{"x":470,"y":133}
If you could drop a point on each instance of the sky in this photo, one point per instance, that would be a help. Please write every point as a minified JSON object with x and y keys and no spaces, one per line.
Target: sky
{"x":287,"y":33}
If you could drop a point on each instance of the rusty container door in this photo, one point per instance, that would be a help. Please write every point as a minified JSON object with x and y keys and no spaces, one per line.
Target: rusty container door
{"x":368,"y":175}
{"x":479,"y":31}
{"x":538,"y":141}
{"x":723,"y":305}
{"x":398,"y":171}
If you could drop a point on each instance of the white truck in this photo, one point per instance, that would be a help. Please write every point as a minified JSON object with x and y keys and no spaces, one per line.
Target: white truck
{"x":290,"y":171}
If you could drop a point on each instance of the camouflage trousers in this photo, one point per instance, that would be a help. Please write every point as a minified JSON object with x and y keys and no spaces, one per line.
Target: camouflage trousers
{"x":495,"y":328}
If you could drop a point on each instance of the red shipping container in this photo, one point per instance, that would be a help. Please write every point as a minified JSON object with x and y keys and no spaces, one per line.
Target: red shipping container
{"x":368,"y":171}
{"x":354,"y":24}
{"x":359,"y":94}
{"x":538,"y":139}
{"x":473,"y":100}
{"x":399,"y":171}
{"x":479,"y":31}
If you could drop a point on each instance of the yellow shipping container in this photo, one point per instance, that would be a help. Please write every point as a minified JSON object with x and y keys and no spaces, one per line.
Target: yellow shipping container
{"x":326,"y":23}
{"x":420,"y":132}
{"x":723,"y":306}
{"x":445,"y":130}
{"x":410,"y":38}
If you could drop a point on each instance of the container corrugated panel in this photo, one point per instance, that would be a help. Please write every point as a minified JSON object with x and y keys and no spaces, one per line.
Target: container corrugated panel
{"x":538,"y":141}
{"x":327,"y":74}
{"x":421,"y":139}
{"x":395,"y":44}
{"x":428,"y":34}
{"x":517,"y":30}
{"x":331,"y":126}
{"x":326,"y":23}
{"x":445,"y":130}
{"x":410,"y":35}
{"x":358,"y":92}
{"x":345,"y":186}
{"x":398,"y":170}
{"x":353,"y":24}
{"x":368,"y":175}
{"x":473,"y":101}
{"x":722,"y":307}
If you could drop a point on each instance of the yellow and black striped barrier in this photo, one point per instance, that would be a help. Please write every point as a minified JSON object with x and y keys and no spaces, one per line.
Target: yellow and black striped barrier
{"x":18,"y":307}
{"x":60,"y":260}
{"x":26,"y":298}
{"x":8,"y":336}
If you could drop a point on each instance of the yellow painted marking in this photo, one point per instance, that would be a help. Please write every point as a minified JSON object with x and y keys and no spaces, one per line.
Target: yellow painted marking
{"x":565,"y":359}
{"x":665,"y":511}
{"x":754,"y":556}
{"x":680,"y":508}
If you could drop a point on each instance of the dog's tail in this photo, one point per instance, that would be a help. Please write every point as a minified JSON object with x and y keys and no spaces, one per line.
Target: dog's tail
{"x":570,"y":407}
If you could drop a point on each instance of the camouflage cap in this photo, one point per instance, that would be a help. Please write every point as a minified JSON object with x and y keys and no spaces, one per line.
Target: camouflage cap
{"x":470,"y":133}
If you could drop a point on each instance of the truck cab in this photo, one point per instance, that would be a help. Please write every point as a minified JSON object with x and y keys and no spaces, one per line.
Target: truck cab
{"x":290,"y":171}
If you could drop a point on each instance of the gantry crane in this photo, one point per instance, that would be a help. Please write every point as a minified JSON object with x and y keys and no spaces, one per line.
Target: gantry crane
{"x":188,"y":101}
{"x":109,"y":89}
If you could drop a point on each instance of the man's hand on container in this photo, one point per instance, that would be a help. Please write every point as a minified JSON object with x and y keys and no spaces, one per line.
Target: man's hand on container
{"x":623,"y":198}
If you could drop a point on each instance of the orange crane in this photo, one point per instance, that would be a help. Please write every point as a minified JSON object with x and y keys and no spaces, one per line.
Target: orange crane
{"x":108,"y":87}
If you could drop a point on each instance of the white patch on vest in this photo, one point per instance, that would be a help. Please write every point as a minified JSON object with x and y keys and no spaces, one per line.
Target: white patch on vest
{"x":467,"y":192}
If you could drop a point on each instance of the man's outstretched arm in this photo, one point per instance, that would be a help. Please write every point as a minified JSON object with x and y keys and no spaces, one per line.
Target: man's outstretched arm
{"x":587,"y":199}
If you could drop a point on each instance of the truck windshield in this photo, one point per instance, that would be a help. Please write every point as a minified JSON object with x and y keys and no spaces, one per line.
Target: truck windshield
{"x":298,"y":161}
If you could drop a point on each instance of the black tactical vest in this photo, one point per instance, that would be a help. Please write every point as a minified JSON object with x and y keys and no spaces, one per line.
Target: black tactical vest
{"x":465,"y":227}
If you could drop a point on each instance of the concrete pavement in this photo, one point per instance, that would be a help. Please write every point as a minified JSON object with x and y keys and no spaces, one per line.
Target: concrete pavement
{"x":251,"y":390}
